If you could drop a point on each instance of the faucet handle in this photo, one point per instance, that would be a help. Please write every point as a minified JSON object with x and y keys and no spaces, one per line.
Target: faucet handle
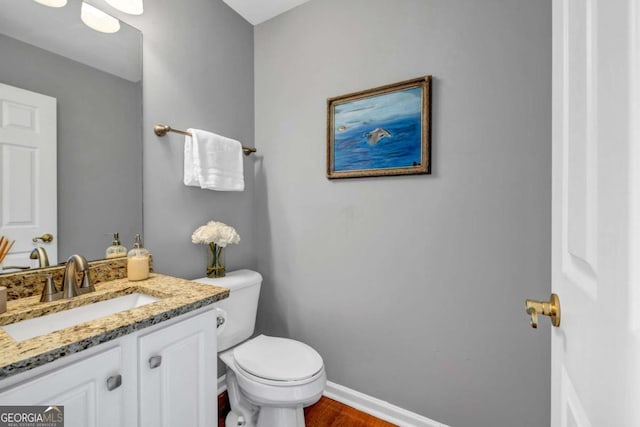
{"x":86,"y":285}
{"x":83,"y":266}
{"x":49,"y":290}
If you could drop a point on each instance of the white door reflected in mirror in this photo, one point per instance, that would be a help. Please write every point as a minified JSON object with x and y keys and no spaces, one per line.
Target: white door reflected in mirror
{"x":28,"y":179}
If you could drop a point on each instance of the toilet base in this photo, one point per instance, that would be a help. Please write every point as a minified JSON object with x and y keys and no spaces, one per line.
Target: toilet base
{"x":268,"y":417}
{"x":243,"y":413}
{"x":281,"y":417}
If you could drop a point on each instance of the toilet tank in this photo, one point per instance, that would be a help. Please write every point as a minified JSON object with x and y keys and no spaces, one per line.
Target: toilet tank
{"x":239,"y":309}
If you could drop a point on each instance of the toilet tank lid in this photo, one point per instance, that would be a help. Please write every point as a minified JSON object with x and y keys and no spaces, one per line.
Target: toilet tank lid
{"x":234,"y":280}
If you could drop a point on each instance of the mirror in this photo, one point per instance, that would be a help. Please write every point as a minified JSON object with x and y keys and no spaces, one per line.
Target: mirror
{"x":96,"y":80}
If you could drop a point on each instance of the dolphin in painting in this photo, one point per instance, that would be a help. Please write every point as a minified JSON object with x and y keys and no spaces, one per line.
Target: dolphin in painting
{"x":376,"y":135}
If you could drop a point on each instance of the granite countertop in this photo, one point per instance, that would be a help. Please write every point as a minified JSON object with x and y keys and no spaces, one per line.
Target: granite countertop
{"x":177,"y":296}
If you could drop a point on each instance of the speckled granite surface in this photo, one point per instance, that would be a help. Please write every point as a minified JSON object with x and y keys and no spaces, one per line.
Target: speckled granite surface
{"x":24,"y":284}
{"x":177,"y":296}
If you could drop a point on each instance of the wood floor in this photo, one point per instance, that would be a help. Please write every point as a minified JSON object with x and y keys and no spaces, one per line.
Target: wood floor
{"x":326,"y":413}
{"x":329,"y":413}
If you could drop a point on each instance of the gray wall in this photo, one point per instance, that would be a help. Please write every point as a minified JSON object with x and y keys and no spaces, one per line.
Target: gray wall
{"x":412,"y":288}
{"x":198,"y":72}
{"x":99,"y":145}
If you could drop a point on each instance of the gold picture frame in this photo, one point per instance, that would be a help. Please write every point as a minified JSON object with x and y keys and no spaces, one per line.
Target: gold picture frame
{"x":381,"y":131}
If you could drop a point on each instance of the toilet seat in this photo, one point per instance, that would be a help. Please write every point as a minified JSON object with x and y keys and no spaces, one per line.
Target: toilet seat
{"x":274,"y":360}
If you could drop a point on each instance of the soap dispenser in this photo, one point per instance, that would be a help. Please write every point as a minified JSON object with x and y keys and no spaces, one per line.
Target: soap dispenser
{"x":138,"y":261}
{"x":116,"y":250}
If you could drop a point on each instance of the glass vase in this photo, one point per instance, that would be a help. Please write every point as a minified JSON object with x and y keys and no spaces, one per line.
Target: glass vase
{"x":215,"y":268}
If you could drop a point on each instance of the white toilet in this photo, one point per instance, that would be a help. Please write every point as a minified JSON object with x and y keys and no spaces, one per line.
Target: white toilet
{"x":269,"y":380}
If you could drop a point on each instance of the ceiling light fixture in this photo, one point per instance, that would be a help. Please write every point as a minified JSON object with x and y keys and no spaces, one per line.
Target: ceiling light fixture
{"x":132,"y":7}
{"x":52,"y":3}
{"x":98,"y":20}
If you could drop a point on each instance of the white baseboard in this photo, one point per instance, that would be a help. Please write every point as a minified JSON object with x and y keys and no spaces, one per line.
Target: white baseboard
{"x":378,"y":408}
{"x":367,"y":404}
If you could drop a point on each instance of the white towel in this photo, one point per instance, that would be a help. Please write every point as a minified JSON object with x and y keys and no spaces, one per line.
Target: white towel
{"x":213,"y":162}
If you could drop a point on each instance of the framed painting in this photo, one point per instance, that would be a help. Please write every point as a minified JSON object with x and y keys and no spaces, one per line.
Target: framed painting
{"x":380,"y":132}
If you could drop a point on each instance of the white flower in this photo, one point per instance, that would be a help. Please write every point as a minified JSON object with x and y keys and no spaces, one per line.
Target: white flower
{"x":215,"y":232}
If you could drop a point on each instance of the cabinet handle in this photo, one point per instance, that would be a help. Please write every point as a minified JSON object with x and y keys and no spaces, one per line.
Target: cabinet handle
{"x":155,"y":361}
{"x":114,"y":382}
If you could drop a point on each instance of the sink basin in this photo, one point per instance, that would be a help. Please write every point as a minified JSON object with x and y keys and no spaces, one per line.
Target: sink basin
{"x":30,"y":328}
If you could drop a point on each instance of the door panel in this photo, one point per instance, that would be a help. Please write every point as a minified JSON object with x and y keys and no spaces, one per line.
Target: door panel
{"x":19,"y":167}
{"x":579,"y":146}
{"x":573,"y":414}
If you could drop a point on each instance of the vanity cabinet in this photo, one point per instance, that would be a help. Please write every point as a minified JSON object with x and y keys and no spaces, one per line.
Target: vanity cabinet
{"x":164,"y":375}
{"x":81,"y":388}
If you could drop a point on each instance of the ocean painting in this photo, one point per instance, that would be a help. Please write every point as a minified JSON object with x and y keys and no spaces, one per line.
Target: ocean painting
{"x":379,"y":132}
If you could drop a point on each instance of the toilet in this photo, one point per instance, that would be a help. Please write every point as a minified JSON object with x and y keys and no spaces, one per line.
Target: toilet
{"x":269,"y":379}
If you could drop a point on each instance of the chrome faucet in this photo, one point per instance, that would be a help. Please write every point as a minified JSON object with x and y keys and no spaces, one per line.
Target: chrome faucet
{"x":76,"y":264}
{"x":40,"y":254}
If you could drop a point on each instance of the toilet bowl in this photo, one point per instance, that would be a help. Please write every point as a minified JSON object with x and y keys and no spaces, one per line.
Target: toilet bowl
{"x":278,"y":375}
{"x":269,"y":379}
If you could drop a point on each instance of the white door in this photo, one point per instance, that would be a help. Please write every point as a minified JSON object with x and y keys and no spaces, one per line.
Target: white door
{"x":596,"y":213}
{"x":177,"y":371}
{"x":28,"y":179}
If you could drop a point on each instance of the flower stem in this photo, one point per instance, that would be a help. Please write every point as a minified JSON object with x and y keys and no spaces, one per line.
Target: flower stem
{"x":216,"y":267}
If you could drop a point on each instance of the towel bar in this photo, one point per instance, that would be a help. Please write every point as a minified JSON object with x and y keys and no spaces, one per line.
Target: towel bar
{"x":161,"y":130}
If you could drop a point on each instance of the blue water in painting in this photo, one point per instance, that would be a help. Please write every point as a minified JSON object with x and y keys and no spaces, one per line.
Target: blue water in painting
{"x":402,"y":149}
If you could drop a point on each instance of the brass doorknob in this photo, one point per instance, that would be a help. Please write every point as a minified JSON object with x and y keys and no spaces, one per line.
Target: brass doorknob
{"x":549,"y":308}
{"x":46,"y":237}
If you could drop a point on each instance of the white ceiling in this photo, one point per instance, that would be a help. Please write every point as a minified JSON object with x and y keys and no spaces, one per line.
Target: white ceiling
{"x":258,"y":11}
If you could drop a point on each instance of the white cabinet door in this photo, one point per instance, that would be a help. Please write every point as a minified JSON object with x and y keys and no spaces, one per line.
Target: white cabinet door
{"x":81,"y":388}
{"x":177,"y":371}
